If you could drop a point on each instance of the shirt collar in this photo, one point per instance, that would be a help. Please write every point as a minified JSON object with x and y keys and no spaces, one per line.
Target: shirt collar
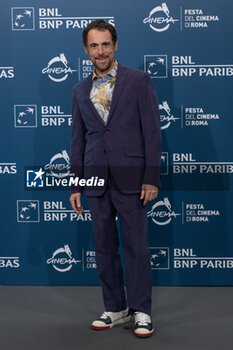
{"x":111,"y":73}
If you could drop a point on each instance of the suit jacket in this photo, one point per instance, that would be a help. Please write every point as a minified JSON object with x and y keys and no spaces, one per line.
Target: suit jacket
{"x":129,"y":146}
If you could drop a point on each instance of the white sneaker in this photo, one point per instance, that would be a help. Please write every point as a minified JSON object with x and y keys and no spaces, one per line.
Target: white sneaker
{"x":110,"y":319}
{"x":143,"y":326}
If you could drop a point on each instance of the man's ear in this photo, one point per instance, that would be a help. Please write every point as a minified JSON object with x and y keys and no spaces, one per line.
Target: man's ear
{"x":116,"y":45}
{"x":85,"y":49}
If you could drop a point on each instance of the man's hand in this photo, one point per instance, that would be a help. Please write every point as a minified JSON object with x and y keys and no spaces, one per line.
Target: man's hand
{"x":148,"y":193}
{"x":75,"y":200}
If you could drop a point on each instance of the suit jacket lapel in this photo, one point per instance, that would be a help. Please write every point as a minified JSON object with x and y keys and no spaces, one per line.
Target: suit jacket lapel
{"x":119,"y":84}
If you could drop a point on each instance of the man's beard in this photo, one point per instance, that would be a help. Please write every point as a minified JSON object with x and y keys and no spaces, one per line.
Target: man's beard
{"x":103,"y":67}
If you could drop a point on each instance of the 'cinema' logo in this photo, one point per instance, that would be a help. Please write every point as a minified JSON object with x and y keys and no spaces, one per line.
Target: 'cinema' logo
{"x":58,"y":69}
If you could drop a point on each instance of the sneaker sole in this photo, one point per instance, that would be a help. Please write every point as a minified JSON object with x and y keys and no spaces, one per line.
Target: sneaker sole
{"x":144,"y":335}
{"x":120,"y":321}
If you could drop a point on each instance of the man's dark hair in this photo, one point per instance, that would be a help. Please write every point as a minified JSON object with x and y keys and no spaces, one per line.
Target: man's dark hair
{"x":100,"y":24}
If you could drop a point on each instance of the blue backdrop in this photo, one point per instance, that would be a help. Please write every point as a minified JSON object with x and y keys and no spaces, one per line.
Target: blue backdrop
{"x":186,"y":48}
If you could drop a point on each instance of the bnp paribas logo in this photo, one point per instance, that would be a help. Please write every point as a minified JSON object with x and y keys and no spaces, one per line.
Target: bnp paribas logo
{"x":25,"y":116}
{"x":22,"y":18}
{"x":28,"y":211}
{"x":156,"y":66}
{"x":159,"y":258}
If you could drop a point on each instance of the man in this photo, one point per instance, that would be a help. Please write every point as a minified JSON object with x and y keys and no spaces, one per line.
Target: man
{"x":116,"y":136}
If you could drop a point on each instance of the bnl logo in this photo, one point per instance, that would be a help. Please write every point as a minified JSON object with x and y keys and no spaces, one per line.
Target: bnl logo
{"x":22,"y":18}
{"x":159,"y":258}
{"x":156,"y":66}
{"x":25,"y":116}
{"x":35,"y":179}
{"x":28,"y":211}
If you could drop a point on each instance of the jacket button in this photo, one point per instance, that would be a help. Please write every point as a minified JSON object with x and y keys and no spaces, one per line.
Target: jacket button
{"x":107,"y":131}
{"x":104,"y":150}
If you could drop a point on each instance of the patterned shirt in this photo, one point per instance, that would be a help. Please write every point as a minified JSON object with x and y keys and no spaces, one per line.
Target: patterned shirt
{"x":102,"y":91}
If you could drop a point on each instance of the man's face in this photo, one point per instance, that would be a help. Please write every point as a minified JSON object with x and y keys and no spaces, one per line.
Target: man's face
{"x":100,"y":49}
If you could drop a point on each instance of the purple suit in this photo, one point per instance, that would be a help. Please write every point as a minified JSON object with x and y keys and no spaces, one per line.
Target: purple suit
{"x":126,"y":153}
